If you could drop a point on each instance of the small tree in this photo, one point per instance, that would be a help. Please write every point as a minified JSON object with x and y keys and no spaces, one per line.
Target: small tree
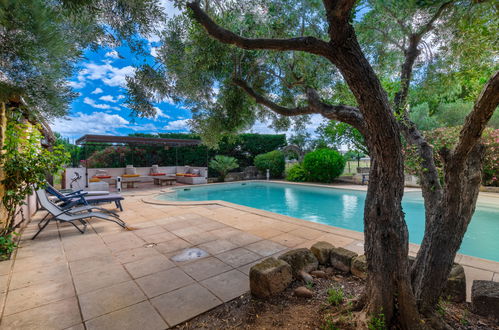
{"x":223,"y":164}
{"x":25,"y":164}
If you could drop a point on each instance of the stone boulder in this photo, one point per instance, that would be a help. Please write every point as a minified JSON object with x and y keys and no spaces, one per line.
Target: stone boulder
{"x":455,"y":288}
{"x":359,"y":266}
{"x":300,"y":260}
{"x":303,"y":292}
{"x":322,"y":251}
{"x":341,"y":259}
{"x":485,"y":298}
{"x":269,"y":277}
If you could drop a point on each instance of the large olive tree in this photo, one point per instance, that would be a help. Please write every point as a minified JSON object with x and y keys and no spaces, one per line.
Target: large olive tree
{"x":336,"y":58}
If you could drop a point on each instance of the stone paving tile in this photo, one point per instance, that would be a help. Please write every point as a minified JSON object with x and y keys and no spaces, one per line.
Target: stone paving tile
{"x":3,"y":283}
{"x":238,"y":257}
{"x":56,"y":315}
{"x":92,"y":264}
{"x":307,"y":233}
{"x":26,"y":264}
{"x":495,"y":278}
{"x":148,"y":266}
{"x":159,"y":237}
{"x":76,"y":327}
{"x":165,"y":281}
{"x":132,"y":255}
{"x":83,"y":253}
{"x":480,"y":263}
{"x":355,"y":246}
{"x":225,"y":232}
{"x":148,"y":231}
{"x":289,"y":240}
{"x":265,"y":248}
{"x":126,"y":244}
{"x":110,"y":299}
{"x":173,"y":245}
{"x":185,"y":303}
{"x":49,"y":274}
{"x":265,"y":232}
{"x":205,"y":268}
{"x":227,"y":286}
{"x":36,"y":295}
{"x":97,"y":279}
{"x":176,"y":225}
{"x":218,"y":246}
{"x":243,"y":238}
{"x":187,"y":231}
{"x":140,"y":316}
{"x":201,"y":238}
{"x":5,"y":267}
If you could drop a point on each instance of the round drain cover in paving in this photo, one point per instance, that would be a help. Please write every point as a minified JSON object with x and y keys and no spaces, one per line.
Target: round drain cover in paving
{"x":190,"y":254}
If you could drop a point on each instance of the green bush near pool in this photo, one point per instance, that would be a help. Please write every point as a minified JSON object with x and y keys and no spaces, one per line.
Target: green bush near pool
{"x":274,"y":161}
{"x":296,"y":173}
{"x":323,"y":165}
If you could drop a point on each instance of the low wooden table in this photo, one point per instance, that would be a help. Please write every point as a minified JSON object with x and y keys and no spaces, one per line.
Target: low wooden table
{"x":165,"y":180}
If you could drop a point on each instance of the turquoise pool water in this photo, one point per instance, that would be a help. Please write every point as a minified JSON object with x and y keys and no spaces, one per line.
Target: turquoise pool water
{"x":342,"y":208}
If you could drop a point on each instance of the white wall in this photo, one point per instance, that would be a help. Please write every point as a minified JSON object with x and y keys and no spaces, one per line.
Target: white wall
{"x":114,"y":172}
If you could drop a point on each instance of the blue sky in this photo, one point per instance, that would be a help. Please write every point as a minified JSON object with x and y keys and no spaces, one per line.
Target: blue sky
{"x":99,"y":108}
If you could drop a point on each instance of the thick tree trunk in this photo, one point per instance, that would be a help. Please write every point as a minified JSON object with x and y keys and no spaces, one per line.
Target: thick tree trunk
{"x":444,"y":236}
{"x":386,"y":237}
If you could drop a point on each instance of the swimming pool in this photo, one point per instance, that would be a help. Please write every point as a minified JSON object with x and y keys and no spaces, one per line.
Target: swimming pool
{"x":341,"y":208}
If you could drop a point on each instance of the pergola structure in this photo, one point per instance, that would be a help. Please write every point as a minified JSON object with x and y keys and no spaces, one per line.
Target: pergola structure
{"x":131,"y":141}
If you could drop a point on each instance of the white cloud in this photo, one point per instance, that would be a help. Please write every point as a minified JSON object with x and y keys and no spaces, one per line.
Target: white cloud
{"x":178,"y":125}
{"x":120,"y":97}
{"x":112,"y":54}
{"x":97,"y":91}
{"x":76,"y":84}
{"x":108,"y":98}
{"x":93,"y":104}
{"x":94,"y":123}
{"x":160,"y":114}
{"x":154,"y":51}
{"x":108,"y":74}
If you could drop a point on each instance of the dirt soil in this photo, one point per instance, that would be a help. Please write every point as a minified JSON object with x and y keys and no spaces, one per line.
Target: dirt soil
{"x":286,"y":311}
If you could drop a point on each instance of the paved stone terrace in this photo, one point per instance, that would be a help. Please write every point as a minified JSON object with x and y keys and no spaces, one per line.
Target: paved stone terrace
{"x":108,"y":278}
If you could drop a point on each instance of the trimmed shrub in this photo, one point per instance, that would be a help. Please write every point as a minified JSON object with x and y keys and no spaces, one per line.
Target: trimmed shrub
{"x":296,"y":173}
{"x":323,"y":165}
{"x":274,"y":161}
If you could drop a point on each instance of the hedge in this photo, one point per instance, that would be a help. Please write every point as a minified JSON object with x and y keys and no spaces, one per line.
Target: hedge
{"x":274,"y":161}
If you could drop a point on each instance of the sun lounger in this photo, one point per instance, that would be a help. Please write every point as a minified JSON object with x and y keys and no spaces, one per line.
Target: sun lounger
{"x":83,"y":198}
{"x":72,"y":215}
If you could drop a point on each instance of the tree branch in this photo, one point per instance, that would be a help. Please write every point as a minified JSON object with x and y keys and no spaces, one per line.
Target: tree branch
{"x":478,"y":118}
{"x":429,"y":25}
{"x":344,"y":113}
{"x":305,"y":44}
{"x":338,"y":14}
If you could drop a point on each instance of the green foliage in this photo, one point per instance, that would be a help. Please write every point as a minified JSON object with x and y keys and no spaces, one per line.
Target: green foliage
{"x":323,"y":165}
{"x":274,"y":161}
{"x":335,"y":296}
{"x":296,"y":173}
{"x":445,"y":115}
{"x":447,"y":137}
{"x":337,"y":134}
{"x":310,"y":285}
{"x":223,"y":164}
{"x":42,"y":42}
{"x":25,"y":165}
{"x":377,"y":322}
{"x":7,"y":245}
